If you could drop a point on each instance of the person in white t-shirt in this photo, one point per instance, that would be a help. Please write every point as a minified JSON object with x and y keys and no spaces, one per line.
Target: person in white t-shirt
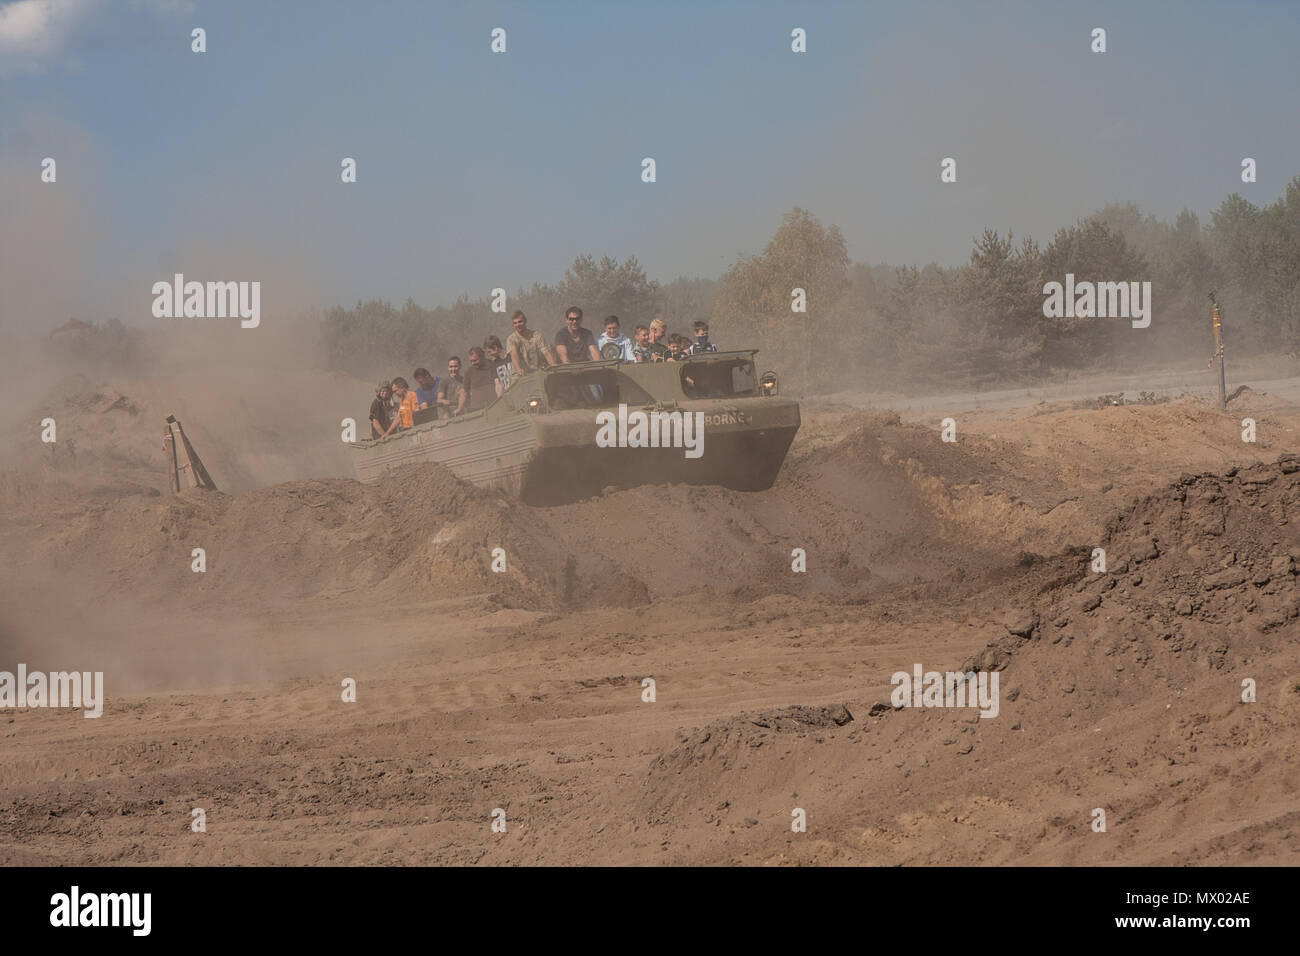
{"x":614,"y":335}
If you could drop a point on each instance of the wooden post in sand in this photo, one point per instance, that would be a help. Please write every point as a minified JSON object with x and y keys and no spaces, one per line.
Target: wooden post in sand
{"x":193,"y":465}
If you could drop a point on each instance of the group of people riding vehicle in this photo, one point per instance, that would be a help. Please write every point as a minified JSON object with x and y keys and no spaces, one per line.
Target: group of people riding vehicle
{"x":492,"y":367}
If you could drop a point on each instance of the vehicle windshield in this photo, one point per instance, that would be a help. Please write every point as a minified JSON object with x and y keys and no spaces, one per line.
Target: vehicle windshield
{"x":598,"y":388}
{"x":718,"y":379}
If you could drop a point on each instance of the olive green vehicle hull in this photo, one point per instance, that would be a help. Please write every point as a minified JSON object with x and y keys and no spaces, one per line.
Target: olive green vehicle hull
{"x":528,"y":445}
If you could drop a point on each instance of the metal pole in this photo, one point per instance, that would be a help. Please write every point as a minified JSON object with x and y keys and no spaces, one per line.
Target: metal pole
{"x":1218,"y":353}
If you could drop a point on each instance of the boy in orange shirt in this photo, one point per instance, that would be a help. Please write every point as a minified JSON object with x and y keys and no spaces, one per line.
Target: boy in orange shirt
{"x":407,"y":402}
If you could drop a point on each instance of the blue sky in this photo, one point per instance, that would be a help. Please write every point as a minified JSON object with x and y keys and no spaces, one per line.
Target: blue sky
{"x":479,"y":170}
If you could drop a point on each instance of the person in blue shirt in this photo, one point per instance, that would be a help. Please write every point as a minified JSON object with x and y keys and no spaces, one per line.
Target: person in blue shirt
{"x":613,"y":334}
{"x":426,"y":389}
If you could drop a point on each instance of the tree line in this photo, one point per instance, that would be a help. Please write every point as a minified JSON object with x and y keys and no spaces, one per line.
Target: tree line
{"x":973,"y":325}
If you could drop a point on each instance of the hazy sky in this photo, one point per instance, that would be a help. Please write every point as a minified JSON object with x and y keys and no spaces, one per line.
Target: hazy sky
{"x":479,"y":170}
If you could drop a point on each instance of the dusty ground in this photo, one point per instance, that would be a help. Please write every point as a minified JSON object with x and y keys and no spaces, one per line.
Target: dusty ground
{"x":522,"y":690}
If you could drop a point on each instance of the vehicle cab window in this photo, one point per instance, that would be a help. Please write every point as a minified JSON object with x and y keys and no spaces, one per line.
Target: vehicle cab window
{"x":718,"y":379}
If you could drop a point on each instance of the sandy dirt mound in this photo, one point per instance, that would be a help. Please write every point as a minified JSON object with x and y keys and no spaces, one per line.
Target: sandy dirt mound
{"x":420,"y":534}
{"x":103,"y":445}
{"x":874,"y":503}
{"x":1127,"y":685}
{"x":887,"y":505}
{"x":869,"y":515}
{"x":1054,"y":477}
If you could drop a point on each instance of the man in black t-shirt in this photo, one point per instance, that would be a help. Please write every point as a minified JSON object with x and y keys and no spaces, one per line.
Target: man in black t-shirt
{"x":381,"y":418}
{"x":499,"y":359}
{"x":573,"y":343}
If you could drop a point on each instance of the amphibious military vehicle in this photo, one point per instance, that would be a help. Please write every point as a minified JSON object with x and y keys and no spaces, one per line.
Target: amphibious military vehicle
{"x":569,"y":431}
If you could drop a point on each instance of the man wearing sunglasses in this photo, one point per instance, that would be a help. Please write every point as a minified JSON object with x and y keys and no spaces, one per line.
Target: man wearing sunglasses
{"x":573,"y":343}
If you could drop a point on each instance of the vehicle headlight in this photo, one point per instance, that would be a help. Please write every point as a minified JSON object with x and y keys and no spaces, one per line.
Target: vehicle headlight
{"x":767,"y":384}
